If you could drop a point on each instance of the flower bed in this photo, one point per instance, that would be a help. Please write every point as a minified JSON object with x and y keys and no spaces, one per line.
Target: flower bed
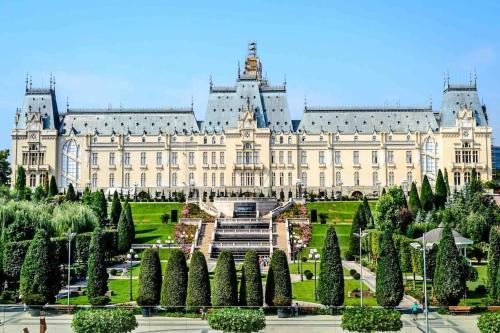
{"x":191,"y":210}
{"x":303,"y":231}
{"x":296,"y":211}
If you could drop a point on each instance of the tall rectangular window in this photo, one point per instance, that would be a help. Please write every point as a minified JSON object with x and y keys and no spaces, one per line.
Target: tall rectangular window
{"x":111,"y":158}
{"x":126,"y":159}
{"x":127,"y":180}
{"x":374,"y":157}
{"x":221,"y":158}
{"x":159,"y":158}
{"x":158,"y":179}
{"x":390,"y":157}
{"x":290,"y":158}
{"x":322,"y":157}
{"x":213,"y":179}
{"x":409,"y":157}
{"x":238,"y":157}
{"x":143,"y":158}
{"x":338,"y":160}
{"x":273,"y":157}
{"x":303,"y":157}
{"x":256,"y":159}
{"x":174,"y":158}
{"x":191,"y":158}
{"x":143,"y":179}
{"x":221,"y":179}
{"x":214,"y":157}
{"x":205,"y":158}
{"x":205,"y":179}
{"x":355,"y":157}
{"x":475,"y":156}
{"x":282,"y":157}
{"x":94,"y":159}
{"x":458,"y":156}
{"x":111,"y":180}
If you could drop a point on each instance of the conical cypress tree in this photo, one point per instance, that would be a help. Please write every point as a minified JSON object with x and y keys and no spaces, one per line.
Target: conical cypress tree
{"x":174,"y":287}
{"x":126,"y":229}
{"x":251,"y":293}
{"x":414,"y":201}
{"x":494,"y":266}
{"x":226,"y":283}
{"x":21,"y":181}
{"x":87,"y":197}
{"x":116,"y":209}
{"x":368,"y":212}
{"x":383,"y":191}
{"x":331,"y":276}
{"x":53,"y":190}
{"x":389,"y":279}
{"x":426,"y":196}
{"x":446,"y":182}
{"x":97,"y":276}
{"x":40,"y":274}
{"x":440,"y":193}
{"x":357,"y":223}
{"x":150,"y":278}
{"x":70,"y":194}
{"x":198,"y":290}
{"x":449,"y":281}
{"x":278,"y":281}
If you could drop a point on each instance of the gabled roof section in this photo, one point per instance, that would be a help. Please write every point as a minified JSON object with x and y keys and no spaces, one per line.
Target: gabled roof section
{"x":457,"y":97}
{"x":41,"y":101}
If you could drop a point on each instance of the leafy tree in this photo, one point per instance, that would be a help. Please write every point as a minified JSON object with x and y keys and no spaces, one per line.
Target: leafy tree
{"x":40,"y":276}
{"x":149,"y":278}
{"x":426,"y":196}
{"x":116,"y":209}
{"x":87,"y":197}
{"x":126,"y":229}
{"x":447,"y":184}
{"x":389,"y":279}
{"x":70,"y":194}
{"x":39,"y":194}
{"x":174,"y":287}
{"x":414,"y":201}
{"x":449,"y":280}
{"x":226,"y":283}
{"x":278,"y":284}
{"x":359,"y":222}
{"x":251,"y":292}
{"x":100,"y":206}
{"x":53,"y":190}
{"x":5,"y":169}
{"x":383,"y":191}
{"x":494,"y":266}
{"x":97,"y":276}
{"x":441,"y":193}
{"x":368,"y":212}
{"x":331,"y":276}
{"x":46,"y":183}
{"x":198,"y":290}
{"x":21,"y":182}
{"x":389,"y":207}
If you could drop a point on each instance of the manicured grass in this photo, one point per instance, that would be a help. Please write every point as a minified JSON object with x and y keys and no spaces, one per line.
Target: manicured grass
{"x":304,"y":291}
{"x":338,"y":211}
{"x":318,"y":236}
{"x":147,"y":220}
{"x":309,"y":265}
{"x":120,"y":290}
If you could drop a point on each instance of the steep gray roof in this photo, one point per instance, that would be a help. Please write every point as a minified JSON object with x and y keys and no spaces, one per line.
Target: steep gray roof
{"x":42,"y":101}
{"x":455,"y":98}
{"x":368,"y":119}
{"x":132,"y":121}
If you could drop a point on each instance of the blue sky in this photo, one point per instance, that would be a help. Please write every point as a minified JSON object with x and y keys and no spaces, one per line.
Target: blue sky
{"x":161,"y":53}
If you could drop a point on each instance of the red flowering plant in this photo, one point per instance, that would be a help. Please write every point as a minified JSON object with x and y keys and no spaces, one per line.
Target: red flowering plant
{"x":191,"y":210}
{"x":184,"y":233}
{"x":296,"y":211}
{"x":303,"y":231}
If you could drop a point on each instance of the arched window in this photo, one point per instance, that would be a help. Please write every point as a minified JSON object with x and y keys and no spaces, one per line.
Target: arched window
{"x":221,"y":140}
{"x":213,"y":140}
{"x":32,"y":180}
{"x":289,"y":140}
{"x":111,"y":180}
{"x":478,"y":176}
{"x":456,"y":178}
{"x":409,"y":178}
{"x":205,"y":140}
{"x":375,"y":178}
{"x":94,"y":180}
{"x":429,"y":156}
{"x":143,"y":179}
{"x":282,"y":179}
{"x":322,"y":179}
{"x":356,"y":178}
{"x":174,"y":179}
{"x":391,"y":178}
{"x":338,"y":178}
{"x":221,"y":179}
{"x":70,"y":168}
{"x":304,"y":178}
{"x":290,"y":181}
{"x":42,"y":179}
{"x":158,"y":179}
{"x":281,"y":139}
{"x":466,"y":177}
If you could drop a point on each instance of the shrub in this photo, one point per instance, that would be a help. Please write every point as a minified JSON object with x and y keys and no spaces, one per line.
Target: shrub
{"x":331,"y":276}
{"x":413,"y":200}
{"x":70,"y":193}
{"x":309,"y":275}
{"x":389,"y":279}
{"x":366,"y":320}
{"x":82,"y":247}
{"x":251,"y":292}
{"x":441,"y":193}
{"x":99,"y":205}
{"x":198,"y":290}
{"x":164,"y":218}
{"x":13,"y":262}
{"x":237,"y":320}
{"x":20,"y":182}
{"x":97,"y":276}
{"x":278,"y":278}
{"x":493,"y":266}
{"x":74,"y":217}
{"x":174,"y":287}
{"x":116,"y":209}
{"x":426,"y":196}
{"x":481,"y":289}
{"x":358,"y":222}
{"x":149,"y":278}
{"x":104,"y":321}
{"x":113,"y":271}
{"x":489,"y":322}
{"x":40,"y":274}
{"x":226,"y":283}
{"x":356,"y":276}
{"x":352,"y":272}
{"x":53,"y":190}
{"x":126,"y":229}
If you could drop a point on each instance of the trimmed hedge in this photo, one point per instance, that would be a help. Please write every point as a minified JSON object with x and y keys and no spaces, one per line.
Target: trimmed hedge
{"x":126,"y":229}
{"x":278,"y":282}
{"x":149,"y":278}
{"x":389,"y":279}
{"x":493,"y":266}
{"x":331,"y":276}
{"x":489,"y":322}
{"x":367,"y":320}
{"x":198,"y":290}
{"x":13,"y":262}
{"x":226,"y":283}
{"x":237,"y":320}
{"x":97,"y":276}
{"x":251,"y":292}
{"x":174,"y":287}
{"x":104,"y":321}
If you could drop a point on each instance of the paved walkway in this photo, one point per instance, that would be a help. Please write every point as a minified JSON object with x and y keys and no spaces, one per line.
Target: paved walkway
{"x":369,"y":279}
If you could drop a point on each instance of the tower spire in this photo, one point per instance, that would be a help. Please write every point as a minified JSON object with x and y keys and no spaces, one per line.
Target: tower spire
{"x":211,"y":83}
{"x":26,"y":82}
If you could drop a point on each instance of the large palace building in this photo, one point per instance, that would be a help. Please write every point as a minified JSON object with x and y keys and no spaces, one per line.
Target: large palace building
{"x":248,"y":142}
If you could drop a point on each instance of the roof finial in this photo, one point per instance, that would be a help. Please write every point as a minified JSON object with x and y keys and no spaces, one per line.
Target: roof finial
{"x":50,"y":81}
{"x":430,"y":101}
{"x":475,"y":78}
{"x":192,"y":103}
{"x":54,"y":82}
{"x":239,"y":71}
{"x":27,"y":77}
{"x":284,"y":81}
{"x":67,"y":103}
{"x":31,"y":81}
{"x":305,"y":102}
{"x":211,"y":83}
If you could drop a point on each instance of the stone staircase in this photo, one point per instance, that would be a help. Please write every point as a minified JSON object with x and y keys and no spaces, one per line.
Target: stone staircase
{"x":207,"y":230}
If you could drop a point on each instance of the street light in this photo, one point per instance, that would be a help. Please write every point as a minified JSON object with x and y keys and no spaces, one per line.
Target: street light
{"x":423,"y":247}
{"x":169,"y":241}
{"x":313,"y":254}
{"x":360,"y":235}
{"x":131,"y":255}
{"x":70,"y":235}
{"x":298,"y":185}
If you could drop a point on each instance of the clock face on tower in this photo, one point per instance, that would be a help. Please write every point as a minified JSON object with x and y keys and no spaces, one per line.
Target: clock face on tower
{"x":32,"y":136}
{"x":247,"y":134}
{"x":466,"y":134}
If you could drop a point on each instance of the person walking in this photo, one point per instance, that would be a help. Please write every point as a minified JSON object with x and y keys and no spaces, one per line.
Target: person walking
{"x":414,"y":311}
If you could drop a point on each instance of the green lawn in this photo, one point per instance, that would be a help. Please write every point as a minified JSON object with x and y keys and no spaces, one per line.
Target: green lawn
{"x":147,"y":220}
{"x":304,"y":291}
{"x":120,"y":288}
{"x":338,"y":211}
{"x":318,"y":236}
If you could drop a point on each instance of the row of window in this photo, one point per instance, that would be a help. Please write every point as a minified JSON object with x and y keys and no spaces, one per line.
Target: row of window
{"x":33,"y":158}
{"x":159,"y":158}
{"x":466,"y":156}
{"x":32,"y":180}
{"x":457,"y":177}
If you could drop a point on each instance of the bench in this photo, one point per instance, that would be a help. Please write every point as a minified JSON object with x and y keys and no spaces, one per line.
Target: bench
{"x":493,"y":308}
{"x":460,"y":309}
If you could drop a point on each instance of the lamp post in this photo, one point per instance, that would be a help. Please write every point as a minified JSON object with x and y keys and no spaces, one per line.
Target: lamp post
{"x":313,"y":254}
{"x":298,"y":186}
{"x":360,"y":235}
{"x":135,"y":190}
{"x":70,"y":235}
{"x":423,"y":248}
{"x":131,"y":255}
{"x":340,"y":183}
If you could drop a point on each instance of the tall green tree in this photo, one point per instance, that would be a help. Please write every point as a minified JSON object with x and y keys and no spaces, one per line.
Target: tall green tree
{"x":21,"y":182}
{"x":40,"y":275}
{"x":198,"y":290}
{"x":226,"y":283}
{"x":126,"y":229}
{"x":97,"y":276}
{"x":116,"y":209}
{"x":70,"y":194}
{"x":174,"y":287}
{"x":278,"y":283}
{"x":389,"y":208}
{"x":150,"y":278}
{"x":368,"y":213}
{"x":53,"y":190}
{"x":449,"y":280}
{"x":358,"y":222}
{"x":5,"y":169}
{"x":426,"y":195}
{"x":440,"y":194}
{"x":446,"y":182}
{"x":331,"y":276}
{"x":87,"y":197}
{"x":100,"y":206}
{"x":389,"y":279}
{"x":494,"y":266}
{"x":251,"y":291}
{"x":414,"y":201}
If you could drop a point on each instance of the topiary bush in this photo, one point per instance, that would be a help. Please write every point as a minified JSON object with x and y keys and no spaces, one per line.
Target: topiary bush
{"x":13,"y":262}
{"x":103,"y":321}
{"x":331,"y":275}
{"x":126,"y":229}
{"x":278,"y":278}
{"x":149,"y":278}
{"x":389,"y":279}
{"x":309,"y":275}
{"x":237,"y":320}
{"x":198,"y":290}
{"x":366,"y":320}
{"x":97,"y":276}
{"x":489,"y":322}
{"x":251,"y":291}
{"x":226,"y":283}
{"x":174,"y":287}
